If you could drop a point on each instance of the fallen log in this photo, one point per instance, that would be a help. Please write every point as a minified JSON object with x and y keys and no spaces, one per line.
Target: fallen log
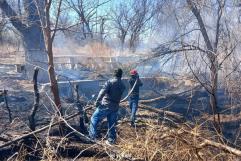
{"x":226,"y":148}
{"x":174,"y":114}
{"x":153,"y":99}
{"x":159,"y":111}
{"x":167,"y":96}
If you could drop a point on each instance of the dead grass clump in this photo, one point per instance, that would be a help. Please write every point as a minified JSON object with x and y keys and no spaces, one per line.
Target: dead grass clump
{"x":159,"y":142}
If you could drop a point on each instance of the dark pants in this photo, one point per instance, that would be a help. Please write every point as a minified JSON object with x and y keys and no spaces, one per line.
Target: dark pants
{"x":133,"y":106}
{"x":98,"y":116}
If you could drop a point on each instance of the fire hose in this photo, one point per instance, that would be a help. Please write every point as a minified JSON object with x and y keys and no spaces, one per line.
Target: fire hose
{"x":124,"y":99}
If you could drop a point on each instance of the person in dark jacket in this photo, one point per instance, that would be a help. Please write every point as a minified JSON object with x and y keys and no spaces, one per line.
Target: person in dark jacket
{"x":134,"y":96}
{"x":107,"y":105}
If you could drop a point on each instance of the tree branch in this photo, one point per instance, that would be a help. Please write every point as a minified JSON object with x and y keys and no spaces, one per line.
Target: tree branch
{"x":12,"y":15}
{"x":196,"y":12}
{"x":57,"y":21}
{"x":220,"y":12}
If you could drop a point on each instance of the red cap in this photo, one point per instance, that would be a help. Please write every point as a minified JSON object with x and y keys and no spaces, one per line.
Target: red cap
{"x":133,"y":72}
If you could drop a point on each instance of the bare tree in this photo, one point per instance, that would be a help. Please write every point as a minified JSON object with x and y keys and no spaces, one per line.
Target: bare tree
{"x":212,"y":50}
{"x":121,"y":21}
{"x":211,"y":42}
{"x":143,"y":12}
{"x":87,"y":15}
{"x":132,"y":20}
{"x":84,"y":17}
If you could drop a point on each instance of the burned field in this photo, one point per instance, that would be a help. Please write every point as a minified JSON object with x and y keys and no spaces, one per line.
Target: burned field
{"x":163,"y":130}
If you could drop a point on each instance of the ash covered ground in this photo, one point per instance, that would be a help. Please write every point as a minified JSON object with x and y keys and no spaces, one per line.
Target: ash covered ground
{"x":141,"y":142}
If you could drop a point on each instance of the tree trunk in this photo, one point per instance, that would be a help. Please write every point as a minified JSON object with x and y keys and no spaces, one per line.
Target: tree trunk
{"x":35,"y":53}
{"x":49,"y":45}
{"x":89,"y":32}
{"x":212,"y":59}
{"x":32,"y":123}
{"x":82,"y":118}
{"x":33,"y":42}
{"x":51,"y":71}
{"x":213,"y":95}
{"x":122,"y":39}
{"x":6,"y":104}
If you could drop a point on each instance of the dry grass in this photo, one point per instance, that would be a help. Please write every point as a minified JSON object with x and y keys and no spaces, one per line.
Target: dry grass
{"x":150,"y":140}
{"x":10,"y":54}
{"x":153,"y":141}
{"x":159,"y":142}
{"x":91,"y":49}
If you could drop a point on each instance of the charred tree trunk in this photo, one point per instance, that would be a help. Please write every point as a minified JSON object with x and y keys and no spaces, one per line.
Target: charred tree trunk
{"x":6,"y":104}
{"x":82,"y":113}
{"x":31,"y":118}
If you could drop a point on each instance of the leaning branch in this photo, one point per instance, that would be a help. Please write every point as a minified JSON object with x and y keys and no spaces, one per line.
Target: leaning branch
{"x":226,"y":148}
